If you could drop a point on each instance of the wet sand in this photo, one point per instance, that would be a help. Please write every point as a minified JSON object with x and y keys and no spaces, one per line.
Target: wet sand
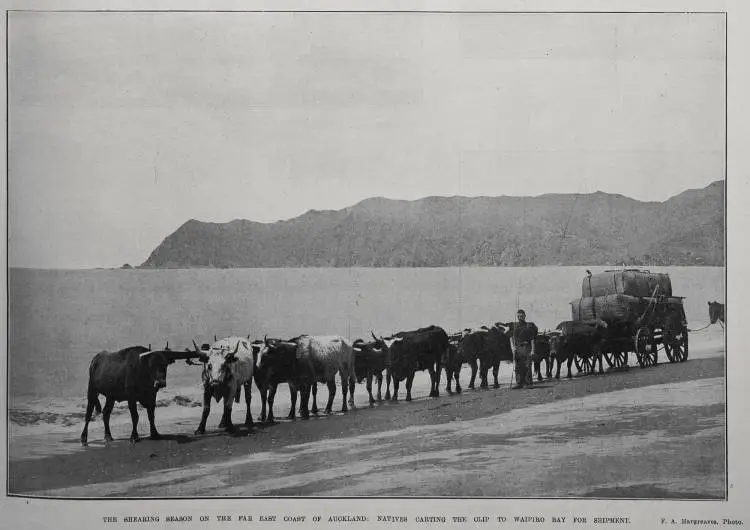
{"x":656,"y":432}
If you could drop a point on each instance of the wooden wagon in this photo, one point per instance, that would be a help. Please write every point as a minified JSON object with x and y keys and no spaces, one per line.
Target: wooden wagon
{"x":644,"y":325}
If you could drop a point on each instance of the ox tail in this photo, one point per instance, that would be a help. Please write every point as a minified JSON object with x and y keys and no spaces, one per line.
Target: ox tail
{"x":97,"y":404}
{"x":93,"y":394}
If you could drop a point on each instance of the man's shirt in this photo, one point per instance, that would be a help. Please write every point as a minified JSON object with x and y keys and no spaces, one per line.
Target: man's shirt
{"x":523,"y":332}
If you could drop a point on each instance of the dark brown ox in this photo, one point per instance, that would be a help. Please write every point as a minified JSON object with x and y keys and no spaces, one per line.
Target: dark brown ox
{"x":277,"y":363}
{"x":488,"y":347}
{"x":716,"y":312}
{"x":409,"y":352}
{"x":584,"y":338}
{"x":452,"y":363}
{"x":132,"y":374}
{"x":542,"y":353}
{"x":369,"y":362}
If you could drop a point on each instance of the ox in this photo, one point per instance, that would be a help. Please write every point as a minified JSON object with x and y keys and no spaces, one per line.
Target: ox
{"x":134,"y":375}
{"x":411,"y":351}
{"x":488,"y":347}
{"x":584,"y":338}
{"x":319,"y":359}
{"x":277,"y":363}
{"x":369,"y":362}
{"x":452,"y":363}
{"x":229,"y":365}
{"x":716,"y":312}
{"x":542,"y":353}
{"x":257,"y":347}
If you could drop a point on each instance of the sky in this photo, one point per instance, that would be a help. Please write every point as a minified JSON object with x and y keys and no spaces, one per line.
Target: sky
{"x":122,"y":126}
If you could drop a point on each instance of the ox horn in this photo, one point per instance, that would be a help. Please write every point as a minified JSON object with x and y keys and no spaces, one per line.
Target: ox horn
{"x":149,"y":346}
{"x":374,"y":337}
{"x":195,"y":346}
{"x":236,"y":349}
{"x":166,"y":348}
{"x":215,"y":339}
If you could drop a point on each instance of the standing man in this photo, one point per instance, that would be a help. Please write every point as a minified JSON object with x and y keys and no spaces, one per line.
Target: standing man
{"x":522,"y":344}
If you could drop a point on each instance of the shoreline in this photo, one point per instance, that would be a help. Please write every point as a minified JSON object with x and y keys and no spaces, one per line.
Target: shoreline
{"x":265,"y":444}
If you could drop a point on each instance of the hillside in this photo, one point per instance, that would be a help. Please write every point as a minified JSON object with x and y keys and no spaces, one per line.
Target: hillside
{"x":594,"y":229}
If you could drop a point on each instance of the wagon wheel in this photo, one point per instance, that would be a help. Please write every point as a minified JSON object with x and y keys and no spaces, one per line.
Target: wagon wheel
{"x":645,"y":349}
{"x":669,"y":338}
{"x":676,"y":344}
{"x":615,"y":359}
{"x":583,"y":364}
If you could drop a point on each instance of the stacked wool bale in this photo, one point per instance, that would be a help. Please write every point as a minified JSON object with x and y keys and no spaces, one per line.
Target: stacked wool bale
{"x":618,"y":296}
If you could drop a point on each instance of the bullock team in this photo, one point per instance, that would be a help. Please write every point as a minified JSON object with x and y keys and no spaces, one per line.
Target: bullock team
{"x":232,"y":364}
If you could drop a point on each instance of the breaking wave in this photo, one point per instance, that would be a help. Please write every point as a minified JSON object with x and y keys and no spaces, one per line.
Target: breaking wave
{"x":67,"y":414}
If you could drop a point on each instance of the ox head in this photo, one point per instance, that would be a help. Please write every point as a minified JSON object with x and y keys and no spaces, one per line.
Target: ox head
{"x":715,"y":312}
{"x":153,"y":365}
{"x":555,"y":338}
{"x":219,"y":362}
{"x":276,"y":361}
{"x":385,"y":342}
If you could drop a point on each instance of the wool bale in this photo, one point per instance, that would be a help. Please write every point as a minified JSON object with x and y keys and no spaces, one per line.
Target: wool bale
{"x":629,"y":282}
{"x":610,"y":308}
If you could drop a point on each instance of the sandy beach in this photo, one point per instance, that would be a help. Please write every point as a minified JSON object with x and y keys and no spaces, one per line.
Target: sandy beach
{"x":655,"y":433}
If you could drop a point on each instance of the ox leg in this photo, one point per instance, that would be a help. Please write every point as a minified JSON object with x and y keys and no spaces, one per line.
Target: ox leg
{"x":304,"y":396}
{"x":559,"y":365}
{"x":380,"y":385}
{"x":434,"y":379}
{"x":448,"y":380}
{"x":483,"y":373}
{"x":395,"y":389}
{"x":263,"y":400}
{"x":133,"y":406}
{"x":293,"y":398}
{"x":388,"y":385}
{"x":89,"y":412}
{"x":271,"y":397}
{"x":331,"y":394}
{"x":108,"y":406}
{"x":438,"y":372}
{"x":314,"y":389}
{"x":495,"y":373}
{"x":226,"y":417}
{"x":151,"y":413}
{"x":344,"y":390}
{"x":351,"y":391}
{"x":473,"y":364}
{"x":409,"y":381}
{"x":369,"y":390}
{"x":570,"y":362}
{"x":456,"y":374}
{"x":206,"y":410}
{"x":248,"y":397}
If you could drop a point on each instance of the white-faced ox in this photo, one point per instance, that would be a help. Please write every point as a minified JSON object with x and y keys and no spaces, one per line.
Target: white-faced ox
{"x":229,"y":365}
{"x":132,"y":374}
